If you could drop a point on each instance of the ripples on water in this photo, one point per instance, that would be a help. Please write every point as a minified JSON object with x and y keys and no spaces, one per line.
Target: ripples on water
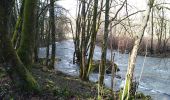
{"x":155,"y":79}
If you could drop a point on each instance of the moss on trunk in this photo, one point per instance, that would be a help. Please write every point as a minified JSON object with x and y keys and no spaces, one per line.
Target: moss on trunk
{"x":104,"y":50}
{"x":14,"y":67}
{"x":18,"y":27}
{"x":16,"y":70}
{"x":104,"y":45}
{"x":25,"y":51}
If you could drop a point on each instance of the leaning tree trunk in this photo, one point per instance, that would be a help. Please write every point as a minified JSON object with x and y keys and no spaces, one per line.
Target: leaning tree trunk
{"x":13,"y":65}
{"x":53,"y":37}
{"x":132,"y":60}
{"x":18,"y":27}
{"x":26,"y":49}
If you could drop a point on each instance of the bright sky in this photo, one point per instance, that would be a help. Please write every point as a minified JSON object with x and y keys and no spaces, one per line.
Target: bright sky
{"x":135,"y":4}
{"x":71,"y":5}
{"x":139,"y":4}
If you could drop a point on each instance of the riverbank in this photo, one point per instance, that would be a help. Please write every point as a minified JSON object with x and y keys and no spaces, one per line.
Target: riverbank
{"x":154,"y":77}
{"x":55,"y":86}
{"x":126,"y":44}
{"x":156,"y":55}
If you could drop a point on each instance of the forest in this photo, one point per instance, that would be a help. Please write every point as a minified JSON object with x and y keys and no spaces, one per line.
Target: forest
{"x":84,"y":49}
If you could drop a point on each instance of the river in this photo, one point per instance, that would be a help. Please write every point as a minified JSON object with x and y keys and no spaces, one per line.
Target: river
{"x":155,"y":79}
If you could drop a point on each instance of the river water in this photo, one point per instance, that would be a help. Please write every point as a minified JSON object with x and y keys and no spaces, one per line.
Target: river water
{"x":155,"y":79}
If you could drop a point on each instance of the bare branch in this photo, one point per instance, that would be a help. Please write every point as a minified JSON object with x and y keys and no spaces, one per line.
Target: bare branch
{"x":118,"y":11}
{"x":127,"y":17}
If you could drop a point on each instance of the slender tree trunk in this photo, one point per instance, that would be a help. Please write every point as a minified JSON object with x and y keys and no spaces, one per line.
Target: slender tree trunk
{"x":37,"y":30}
{"x":26,"y":49}
{"x":18,"y":28}
{"x":112,"y":58}
{"x":132,"y":60}
{"x":164,"y":44}
{"x":36,"y":48}
{"x":161,"y":32}
{"x":83,"y":62}
{"x":77,"y":39}
{"x":152,"y":32}
{"x":93,"y":41}
{"x":104,"y":47}
{"x":162,"y":29}
{"x":53,"y":36}
{"x":13,"y":65}
{"x":48,"y":31}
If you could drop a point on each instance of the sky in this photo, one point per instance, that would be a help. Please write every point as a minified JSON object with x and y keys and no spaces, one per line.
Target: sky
{"x":138,"y":4}
{"x":71,"y":5}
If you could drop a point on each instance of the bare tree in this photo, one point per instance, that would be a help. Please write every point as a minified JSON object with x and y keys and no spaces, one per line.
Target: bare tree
{"x":132,"y":59}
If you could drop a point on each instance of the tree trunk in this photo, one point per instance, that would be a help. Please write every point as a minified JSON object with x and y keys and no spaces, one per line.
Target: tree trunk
{"x":36,"y":48}
{"x":165,"y":45}
{"x":26,"y":49}
{"x":18,"y":27}
{"x":83,"y":60}
{"x":48,"y":31}
{"x":132,"y":60}
{"x":13,"y":65}
{"x":104,"y":48}
{"x":38,"y":22}
{"x":53,"y":36}
{"x":77,"y":35}
{"x":93,"y":41}
{"x":152,"y":32}
{"x":160,"y":47}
